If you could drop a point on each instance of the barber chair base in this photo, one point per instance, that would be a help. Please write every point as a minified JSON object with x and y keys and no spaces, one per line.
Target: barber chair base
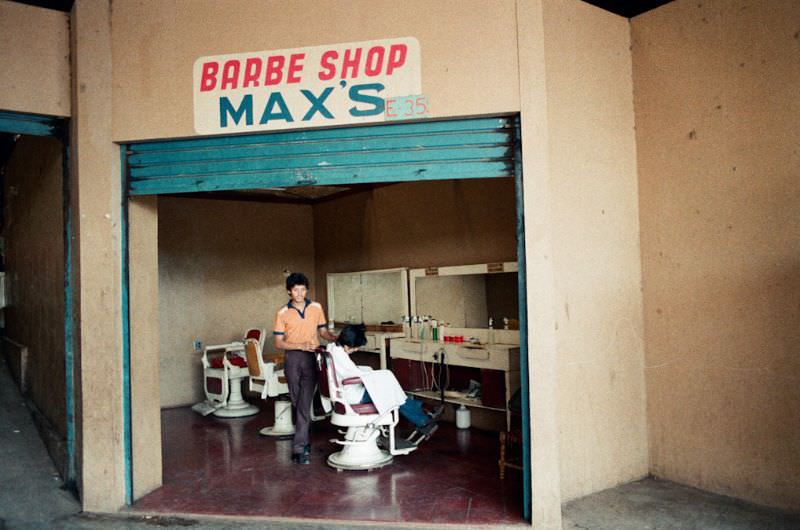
{"x":275,"y":432}
{"x":360,"y":451}
{"x":236,"y":407}
{"x":347,"y":460}
{"x":236,"y":410}
{"x":283,"y":421}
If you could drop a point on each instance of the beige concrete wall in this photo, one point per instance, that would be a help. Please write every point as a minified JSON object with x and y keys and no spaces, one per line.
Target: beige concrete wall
{"x":34,"y":60}
{"x":545,"y":475}
{"x":469,"y":50}
{"x":97,"y":200}
{"x":598,"y":300}
{"x":220,"y":271}
{"x":33,"y":231}
{"x":145,"y":346}
{"x":717,"y":131}
{"x":424,"y":224}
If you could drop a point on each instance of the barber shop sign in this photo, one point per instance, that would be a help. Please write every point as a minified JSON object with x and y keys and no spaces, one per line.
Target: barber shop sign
{"x":357,"y":82}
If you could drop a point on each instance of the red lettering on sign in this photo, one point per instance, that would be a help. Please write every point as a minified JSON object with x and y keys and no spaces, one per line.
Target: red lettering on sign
{"x":351,"y":63}
{"x":326,"y":63}
{"x":230,"y":74}
{"x":295,"y":67}
{"x":208,"y":79}
{"x":252,"y":71}
{"x":397,"y":57}
{"x":274,"y":72}
{"x":374,"y":62}
{"x":390,"y":108}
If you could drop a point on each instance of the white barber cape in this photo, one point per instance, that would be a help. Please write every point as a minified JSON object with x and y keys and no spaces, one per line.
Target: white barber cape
{"x":383,"y":388}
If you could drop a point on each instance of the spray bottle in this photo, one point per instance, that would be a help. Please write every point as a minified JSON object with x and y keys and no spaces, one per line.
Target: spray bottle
{"x":415,"y":327}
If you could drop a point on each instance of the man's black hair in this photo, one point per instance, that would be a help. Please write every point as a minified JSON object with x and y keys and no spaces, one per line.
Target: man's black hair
{"x":296,"y":278}
{"x":352,"y":336}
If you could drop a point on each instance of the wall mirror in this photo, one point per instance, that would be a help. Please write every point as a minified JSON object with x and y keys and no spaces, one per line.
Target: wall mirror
{"x":467,"y":296}
{"x":371,"y":297}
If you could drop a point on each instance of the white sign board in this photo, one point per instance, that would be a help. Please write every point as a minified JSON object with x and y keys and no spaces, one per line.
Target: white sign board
{"x":338,"y":84}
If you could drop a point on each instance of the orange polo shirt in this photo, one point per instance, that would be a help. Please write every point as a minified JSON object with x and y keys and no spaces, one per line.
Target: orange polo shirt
{"x":300,"y":326}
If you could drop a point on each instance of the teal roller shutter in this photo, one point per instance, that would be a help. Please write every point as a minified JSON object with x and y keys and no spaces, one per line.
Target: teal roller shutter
{"x":32,"y":124}
{"x":435,"y":150}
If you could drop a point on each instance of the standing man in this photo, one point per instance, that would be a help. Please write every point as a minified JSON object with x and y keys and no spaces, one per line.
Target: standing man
{"x":298,"y":326}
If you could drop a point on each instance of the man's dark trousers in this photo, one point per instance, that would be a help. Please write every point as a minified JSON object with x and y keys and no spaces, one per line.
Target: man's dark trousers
{"x":301,"y":377}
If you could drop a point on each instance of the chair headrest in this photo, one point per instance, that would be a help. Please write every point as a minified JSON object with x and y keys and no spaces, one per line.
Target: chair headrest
{"x":257,"y":334}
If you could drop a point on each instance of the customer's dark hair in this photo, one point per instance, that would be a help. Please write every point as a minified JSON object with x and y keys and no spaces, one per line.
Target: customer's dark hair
{"x":352,"y":336}
{"x":296,"y":278}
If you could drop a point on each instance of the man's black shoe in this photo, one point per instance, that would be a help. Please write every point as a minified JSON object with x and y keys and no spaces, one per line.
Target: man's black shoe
{"x":300,"y":458}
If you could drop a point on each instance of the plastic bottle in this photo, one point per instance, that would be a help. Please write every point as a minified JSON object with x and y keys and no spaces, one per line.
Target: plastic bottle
{"x":424,"y":329}
{"x":463,"y":417}
{"x":434,"y":330}
{"x":407,"y":326}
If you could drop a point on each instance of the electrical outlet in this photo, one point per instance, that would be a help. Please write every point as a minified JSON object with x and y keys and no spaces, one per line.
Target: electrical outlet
{"x":197,"y":344}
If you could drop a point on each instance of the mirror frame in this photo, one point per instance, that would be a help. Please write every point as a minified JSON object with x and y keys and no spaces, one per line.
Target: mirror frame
{"x":404,"y":295}
{"x":455,"y":270}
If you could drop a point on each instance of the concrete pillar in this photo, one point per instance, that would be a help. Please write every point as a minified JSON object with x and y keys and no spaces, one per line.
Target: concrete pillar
{"x":96,"y":194}
{"x":542,"y":352}
{"x":145,"y":344}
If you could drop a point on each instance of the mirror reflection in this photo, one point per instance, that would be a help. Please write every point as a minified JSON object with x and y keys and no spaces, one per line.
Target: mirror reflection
{"x":469,"y":300}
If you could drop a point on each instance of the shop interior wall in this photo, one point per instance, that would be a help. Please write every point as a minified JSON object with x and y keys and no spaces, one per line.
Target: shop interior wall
{"x":469,"y":63}
{"x":596,"y":262}
{"x":422,"y":224}
{"x":221,"y":263}
{"x":717,"y":132}
{"x":33,"y":233}
{"x":34,"y":36}
{"x":221,"y":269}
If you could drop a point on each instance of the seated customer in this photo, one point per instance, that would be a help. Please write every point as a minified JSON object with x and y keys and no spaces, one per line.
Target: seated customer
{"x":350,"y":339}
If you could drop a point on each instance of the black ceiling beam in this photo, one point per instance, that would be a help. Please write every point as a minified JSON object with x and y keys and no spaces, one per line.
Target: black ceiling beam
{"x":627,"y":8}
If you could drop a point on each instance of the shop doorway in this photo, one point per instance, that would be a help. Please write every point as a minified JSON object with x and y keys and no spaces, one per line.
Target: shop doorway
{"x":435,"y":157}
{"x":36,"y":276}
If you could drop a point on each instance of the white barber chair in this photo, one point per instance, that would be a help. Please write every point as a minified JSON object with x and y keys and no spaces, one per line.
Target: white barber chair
{"x":224,"y":368}
{"x":364,"y":425}
{"x":267,"y":378}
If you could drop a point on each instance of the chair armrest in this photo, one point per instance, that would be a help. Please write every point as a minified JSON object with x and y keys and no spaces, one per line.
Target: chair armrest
{"x":231,"y":346}
{"x":351,"y":381}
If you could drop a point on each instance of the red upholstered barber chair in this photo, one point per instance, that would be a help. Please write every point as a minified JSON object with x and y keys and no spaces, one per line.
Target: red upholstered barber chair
{"x":364,"y":425}
{"x":224,"y":367}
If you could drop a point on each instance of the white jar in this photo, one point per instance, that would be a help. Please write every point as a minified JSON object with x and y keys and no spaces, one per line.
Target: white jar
{"x":463,"y":417}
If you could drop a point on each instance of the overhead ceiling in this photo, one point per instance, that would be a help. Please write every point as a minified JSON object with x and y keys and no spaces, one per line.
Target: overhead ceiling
{"x":625,"y":8}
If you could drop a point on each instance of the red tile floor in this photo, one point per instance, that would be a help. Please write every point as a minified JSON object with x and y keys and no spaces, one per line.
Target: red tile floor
{"x":224,"y":467}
